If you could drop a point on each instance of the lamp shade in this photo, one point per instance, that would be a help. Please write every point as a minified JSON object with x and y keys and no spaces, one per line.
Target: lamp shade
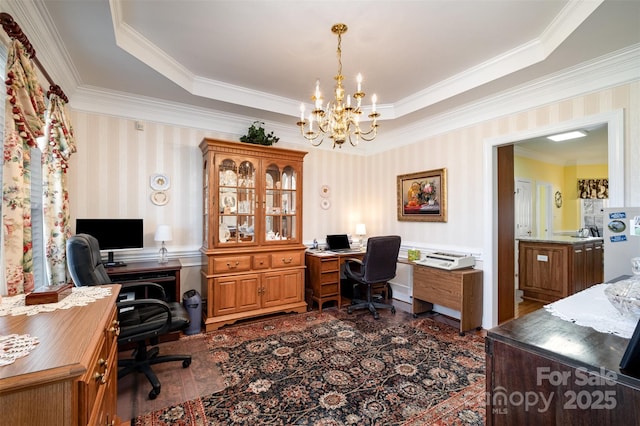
{"x":361,"y":229}
{"x":163,"y":233}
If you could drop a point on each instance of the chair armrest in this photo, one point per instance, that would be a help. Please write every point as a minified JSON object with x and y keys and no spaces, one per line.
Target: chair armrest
{"x":145,"y":314}
{"x":349,"y":262}
{"x":152,"y":290}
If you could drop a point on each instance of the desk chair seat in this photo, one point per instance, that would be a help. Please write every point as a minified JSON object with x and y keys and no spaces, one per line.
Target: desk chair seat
{"x":141,"y":320}
{"x":376,"y":268}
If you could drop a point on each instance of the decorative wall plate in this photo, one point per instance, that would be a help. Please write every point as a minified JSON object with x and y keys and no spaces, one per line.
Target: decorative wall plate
{"x":159,"y":198}
{"x":325,"y":191}
{"x":325,"y":204}
{"x":160,"y":182}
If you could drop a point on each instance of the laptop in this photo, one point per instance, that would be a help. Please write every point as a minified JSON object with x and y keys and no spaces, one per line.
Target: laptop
{"x":339,"y":243}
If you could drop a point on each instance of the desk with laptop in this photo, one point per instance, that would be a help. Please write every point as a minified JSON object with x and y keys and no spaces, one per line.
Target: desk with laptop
{"x":325,"y":269}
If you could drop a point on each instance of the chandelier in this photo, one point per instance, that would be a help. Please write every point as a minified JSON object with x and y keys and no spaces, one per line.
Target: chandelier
{"x":338,"y":119}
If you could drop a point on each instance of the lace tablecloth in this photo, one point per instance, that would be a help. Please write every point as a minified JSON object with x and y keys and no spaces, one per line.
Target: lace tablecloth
{"x":591,"y":308}
{"x":79,"y":296}
{"x":15,"y":346}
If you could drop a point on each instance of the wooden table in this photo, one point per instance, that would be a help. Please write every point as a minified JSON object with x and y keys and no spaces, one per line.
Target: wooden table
{"x":542,"y":370}
{"x":70,"y":378}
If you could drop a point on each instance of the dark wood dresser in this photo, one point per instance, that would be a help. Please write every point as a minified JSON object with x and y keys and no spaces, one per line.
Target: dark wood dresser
{"x":542,"y":370}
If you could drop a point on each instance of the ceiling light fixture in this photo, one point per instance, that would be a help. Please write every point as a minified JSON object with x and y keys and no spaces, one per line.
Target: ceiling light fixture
{"x":338,"y":119}
{"x":568,"y":135}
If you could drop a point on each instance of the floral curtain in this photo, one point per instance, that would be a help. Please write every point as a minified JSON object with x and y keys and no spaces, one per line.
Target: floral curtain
{"x":60,"y":144}
{"x":24,"y":122}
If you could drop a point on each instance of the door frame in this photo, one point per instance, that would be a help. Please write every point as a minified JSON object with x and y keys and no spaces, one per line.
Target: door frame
{"x":492,"y":285}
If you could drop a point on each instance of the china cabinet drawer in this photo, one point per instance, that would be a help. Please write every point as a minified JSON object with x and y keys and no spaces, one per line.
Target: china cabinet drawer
{"x":261,"y":261}
{"x":231,"y":264}
{"x":286,"y":258}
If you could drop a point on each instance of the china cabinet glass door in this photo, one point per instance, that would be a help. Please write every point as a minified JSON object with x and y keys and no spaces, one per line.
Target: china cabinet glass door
{"x":280,"y":203}
{"x":237,"y":201}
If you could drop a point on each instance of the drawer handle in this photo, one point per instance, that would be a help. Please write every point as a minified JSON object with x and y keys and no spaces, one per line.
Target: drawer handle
{"x":115,"y":328}
{"x":232,"y":266}
{"x":285,"y":261}
{"x":102,"y":378}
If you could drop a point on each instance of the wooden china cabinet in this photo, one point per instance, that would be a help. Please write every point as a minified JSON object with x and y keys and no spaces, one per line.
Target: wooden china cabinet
{"x":253,"y":256}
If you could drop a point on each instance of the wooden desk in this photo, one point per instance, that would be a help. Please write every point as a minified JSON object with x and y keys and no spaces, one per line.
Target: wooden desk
{"x":165,"y":274}
{"x":70,"y":378}
{"x":575,"y":367}
{"x":460,"y":289}
{"x":323,"y":275}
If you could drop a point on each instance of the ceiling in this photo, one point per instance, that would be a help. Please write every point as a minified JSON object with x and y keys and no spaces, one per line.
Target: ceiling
{"x":261,"y":58}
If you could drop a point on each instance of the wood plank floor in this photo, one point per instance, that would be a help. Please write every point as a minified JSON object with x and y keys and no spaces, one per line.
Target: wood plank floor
{"x":527,"y":306}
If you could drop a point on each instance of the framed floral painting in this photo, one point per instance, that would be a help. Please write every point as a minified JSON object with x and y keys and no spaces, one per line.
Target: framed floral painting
{"x":422,"y":196}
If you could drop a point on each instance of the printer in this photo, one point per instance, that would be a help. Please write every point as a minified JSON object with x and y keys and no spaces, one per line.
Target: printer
{"x":448,"y":261}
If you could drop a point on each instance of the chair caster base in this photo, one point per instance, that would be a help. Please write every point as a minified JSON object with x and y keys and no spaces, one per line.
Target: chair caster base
{"x":154,"y":393}
{"x":186,"y":363}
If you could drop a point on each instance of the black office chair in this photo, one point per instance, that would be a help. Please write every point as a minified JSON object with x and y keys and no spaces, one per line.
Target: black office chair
{"x":141,"y":320}
{"x":377,"y":267}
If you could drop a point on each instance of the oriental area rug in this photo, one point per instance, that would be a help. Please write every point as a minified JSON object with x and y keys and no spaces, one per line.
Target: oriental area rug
{"x":337,"y":369}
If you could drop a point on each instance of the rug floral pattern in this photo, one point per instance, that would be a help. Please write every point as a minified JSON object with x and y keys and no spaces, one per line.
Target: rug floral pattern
{"x":334,"y":369}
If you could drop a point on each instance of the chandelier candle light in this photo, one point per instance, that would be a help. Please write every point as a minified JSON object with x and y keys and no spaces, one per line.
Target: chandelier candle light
{"x":339,"y":120}
{"x":163,"y":233}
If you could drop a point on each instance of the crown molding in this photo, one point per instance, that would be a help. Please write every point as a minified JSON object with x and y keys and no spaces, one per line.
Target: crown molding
{"x":614,"y":69}
{"x":608,"y":71}
{"x":570,"y":17}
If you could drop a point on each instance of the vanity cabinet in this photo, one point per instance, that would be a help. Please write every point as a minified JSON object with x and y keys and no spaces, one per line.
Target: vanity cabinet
{"x":551,"y":270}
{"x":253,"y":256}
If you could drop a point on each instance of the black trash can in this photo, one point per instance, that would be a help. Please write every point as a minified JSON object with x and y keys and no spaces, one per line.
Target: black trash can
{"x":193,"y":304}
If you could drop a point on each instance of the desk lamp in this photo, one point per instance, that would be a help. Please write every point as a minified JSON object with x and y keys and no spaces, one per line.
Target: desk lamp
{"x":361,"y":231}
{"x":163,"y":233}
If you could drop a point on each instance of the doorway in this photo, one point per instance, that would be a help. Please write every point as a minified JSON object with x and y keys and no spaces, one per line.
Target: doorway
{"x":499,"y":257}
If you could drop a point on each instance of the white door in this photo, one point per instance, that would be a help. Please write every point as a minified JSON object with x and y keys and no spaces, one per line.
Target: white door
{"x":523,"y":221}
{"x":524,"y":208}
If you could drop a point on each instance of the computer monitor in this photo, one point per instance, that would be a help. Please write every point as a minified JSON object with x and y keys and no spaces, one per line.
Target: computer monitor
{"x":113,"y":235}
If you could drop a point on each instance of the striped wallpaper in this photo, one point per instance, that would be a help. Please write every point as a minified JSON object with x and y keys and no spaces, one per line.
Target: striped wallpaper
{"x":109,"y":175}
